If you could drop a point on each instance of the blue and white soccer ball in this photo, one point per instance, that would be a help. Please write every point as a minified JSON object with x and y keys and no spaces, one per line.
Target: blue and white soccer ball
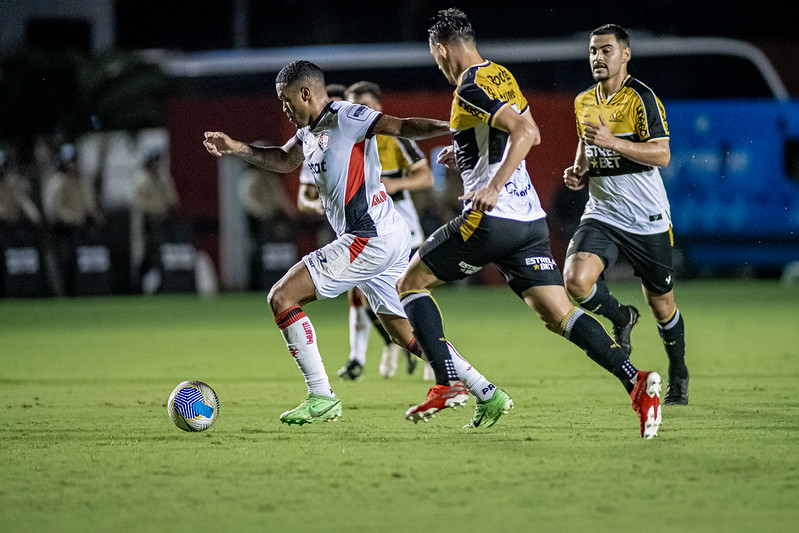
{"x":193,"y":406}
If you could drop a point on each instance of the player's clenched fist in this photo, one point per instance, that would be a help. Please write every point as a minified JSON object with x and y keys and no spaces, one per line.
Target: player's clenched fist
{"x":217,"y":143}
{"x":575,"y":178}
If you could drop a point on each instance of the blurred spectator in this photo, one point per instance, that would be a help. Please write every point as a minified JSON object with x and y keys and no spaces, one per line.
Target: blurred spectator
{"x":16,"y":207}
{"x":71,"y":210}
{"x":268,"y":218}
{"x":153,"y":202}
{"x":20,"y":243}
{"x":66,"y":201}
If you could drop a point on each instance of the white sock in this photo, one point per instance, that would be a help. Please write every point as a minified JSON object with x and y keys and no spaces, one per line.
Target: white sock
{"x":477,"y":384}
{"x":360,"y":326}
{"x":300,"y":338}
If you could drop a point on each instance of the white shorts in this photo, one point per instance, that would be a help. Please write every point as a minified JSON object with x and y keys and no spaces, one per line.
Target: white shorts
{"x":372,"y":264}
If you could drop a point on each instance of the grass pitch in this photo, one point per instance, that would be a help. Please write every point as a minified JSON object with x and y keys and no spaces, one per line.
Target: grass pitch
{"x":86,"y":444}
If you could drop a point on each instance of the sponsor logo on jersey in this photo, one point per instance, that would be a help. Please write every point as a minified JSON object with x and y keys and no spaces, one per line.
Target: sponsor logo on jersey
{"x":602,"y":157}
{"x":358,"y":112}
{"x":471,"y":109}
{"x":468,"y":269}
{"x":511,"y":188}
{"x":323,"y":141}
{"x":541,"y":263}
{"x":317,"y":168}
{"x":379,"y":198}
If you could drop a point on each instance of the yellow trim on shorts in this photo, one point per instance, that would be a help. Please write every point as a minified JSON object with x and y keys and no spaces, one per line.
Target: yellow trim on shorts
{"x":470,"y":223}
{"x":671,"y":236}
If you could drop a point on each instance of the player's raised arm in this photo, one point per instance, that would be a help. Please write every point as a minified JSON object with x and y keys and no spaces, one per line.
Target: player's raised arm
{"x":655,"y":152}
{"x":280,"y":159}
{"x":410,"y":128}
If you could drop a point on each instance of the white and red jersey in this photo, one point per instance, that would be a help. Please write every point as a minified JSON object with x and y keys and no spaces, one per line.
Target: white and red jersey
{"x":341,"y":153}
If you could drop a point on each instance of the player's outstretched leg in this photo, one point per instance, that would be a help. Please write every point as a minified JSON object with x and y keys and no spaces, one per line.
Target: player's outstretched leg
{"x":492,"y":402}
{"x":644,"y":387}
{"x":321,"y":405}
{"x":425,"y":318}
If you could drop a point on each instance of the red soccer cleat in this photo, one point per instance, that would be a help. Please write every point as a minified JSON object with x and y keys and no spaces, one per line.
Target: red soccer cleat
{"x":646,"y":402}
{"x":438,"y":397}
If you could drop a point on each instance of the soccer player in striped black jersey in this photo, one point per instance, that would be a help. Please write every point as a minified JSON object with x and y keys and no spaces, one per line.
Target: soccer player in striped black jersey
{"x":405,"y":169}
{"x":502,"y":223}
{"x":624,"y":138}
{"x":336,"y":141}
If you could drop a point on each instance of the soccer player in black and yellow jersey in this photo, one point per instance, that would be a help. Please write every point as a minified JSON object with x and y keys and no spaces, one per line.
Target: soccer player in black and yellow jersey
{"x":624,"y":138}
{"x":502,"y":223}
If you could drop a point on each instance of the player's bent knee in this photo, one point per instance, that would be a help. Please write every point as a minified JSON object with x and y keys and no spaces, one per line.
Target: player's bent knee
{"x":578,"y":284}
{"x":278,"y":300}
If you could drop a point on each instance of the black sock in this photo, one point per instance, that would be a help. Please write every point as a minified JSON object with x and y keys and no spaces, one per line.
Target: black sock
{"x":586,"y":332}
{"x":378,"y":326}
{"x":673,"y":334}
{"x":428,"y":329}
{"x":602,"y":302}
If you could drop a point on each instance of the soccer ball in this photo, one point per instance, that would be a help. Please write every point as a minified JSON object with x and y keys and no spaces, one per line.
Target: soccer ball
{"x":193,"y":406}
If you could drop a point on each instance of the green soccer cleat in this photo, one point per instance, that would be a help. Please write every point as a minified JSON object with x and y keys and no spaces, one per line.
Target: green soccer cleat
{"x":315,"y":408}
{"x":488,"y":412}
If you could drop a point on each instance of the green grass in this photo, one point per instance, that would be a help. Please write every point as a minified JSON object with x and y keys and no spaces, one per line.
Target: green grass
{"x":86,"y":444}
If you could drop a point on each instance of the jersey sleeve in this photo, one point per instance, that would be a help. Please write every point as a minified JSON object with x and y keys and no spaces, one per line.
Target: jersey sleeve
{"x":488,"y":89}
{"x":651,"y":124}
{"x":577,"y":122}
{"x":410,"y":151}
{"x":357,"y":121}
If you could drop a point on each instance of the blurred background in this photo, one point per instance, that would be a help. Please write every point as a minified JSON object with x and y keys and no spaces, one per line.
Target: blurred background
{"x":107,"y":189}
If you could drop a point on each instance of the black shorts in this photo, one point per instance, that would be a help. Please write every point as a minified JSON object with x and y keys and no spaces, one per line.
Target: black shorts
{"x":472,"y":240}
{"x":651,"y":256}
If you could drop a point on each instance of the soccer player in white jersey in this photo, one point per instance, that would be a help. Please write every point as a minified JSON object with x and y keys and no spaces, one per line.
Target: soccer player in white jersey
{"x":624,"y":138}
{"x":336,"y":140}
{"x":502,"y":223}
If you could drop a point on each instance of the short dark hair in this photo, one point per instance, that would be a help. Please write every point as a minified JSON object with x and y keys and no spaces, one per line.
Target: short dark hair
{"x":336,"y":90}
{"x":364,"y":87}
{"x":300,"y":71}
{"x":450,"y":26}
{"x":620,"y":33}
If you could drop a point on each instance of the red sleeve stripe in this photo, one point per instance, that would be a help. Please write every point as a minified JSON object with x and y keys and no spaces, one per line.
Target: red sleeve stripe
{"x":355,"y":176}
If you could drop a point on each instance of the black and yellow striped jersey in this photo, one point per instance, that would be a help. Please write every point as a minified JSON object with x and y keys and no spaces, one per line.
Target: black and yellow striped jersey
{"x":397,"y":155}
{"x":623,"y":193}
{"x":633,"y":113}
{"x":482,"y":91}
